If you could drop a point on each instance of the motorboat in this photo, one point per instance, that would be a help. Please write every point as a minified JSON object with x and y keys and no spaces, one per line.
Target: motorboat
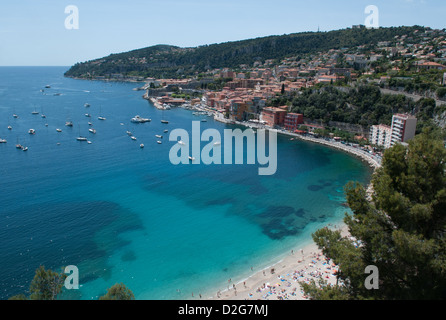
{"x":133,"y":138}
{"x":59,"y":130}
{"x":138,"y":119}
{"x":92,"y":130}
{"x":9,"y":128}
{"x":69,"y":123}
{"x":164,"y":121}
{"x":81,"y":139}
{"x":3,"y":141}
{"x":141,"y":145}
{"x":158,"y":136}
{"x":32,"y":131}
{"x":86,"y":105}
{"x":101,"y":118}
{"x":159,"y":142}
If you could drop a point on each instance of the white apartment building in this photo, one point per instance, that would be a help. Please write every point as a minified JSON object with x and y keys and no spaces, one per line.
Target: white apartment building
{"x":402,"y":129}
{"x":380,"y":135}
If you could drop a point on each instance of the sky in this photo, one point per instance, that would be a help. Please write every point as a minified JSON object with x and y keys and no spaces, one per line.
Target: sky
{"x":40,"y":33}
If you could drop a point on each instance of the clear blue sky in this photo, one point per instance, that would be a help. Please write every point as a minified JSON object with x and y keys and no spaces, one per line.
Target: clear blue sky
{"x":32,"y":32}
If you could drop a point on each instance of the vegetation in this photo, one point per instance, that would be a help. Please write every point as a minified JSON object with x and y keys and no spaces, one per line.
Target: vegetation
{"x":163,"y":61}
{"x":47,"y":285}
{"x":118,"y":292}
{"x":400,"y":230}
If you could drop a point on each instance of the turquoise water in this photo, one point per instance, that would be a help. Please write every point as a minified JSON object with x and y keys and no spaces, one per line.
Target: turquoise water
{"x":125,"y":214}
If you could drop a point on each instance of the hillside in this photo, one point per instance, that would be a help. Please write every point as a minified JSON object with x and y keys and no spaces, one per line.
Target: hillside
{"x":164,"y":61}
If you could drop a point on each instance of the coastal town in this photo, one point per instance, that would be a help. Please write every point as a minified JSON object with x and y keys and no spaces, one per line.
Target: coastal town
{"x":244,"y":94}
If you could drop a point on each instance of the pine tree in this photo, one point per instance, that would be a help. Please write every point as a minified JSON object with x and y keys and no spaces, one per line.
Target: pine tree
{"x":400,"y":230}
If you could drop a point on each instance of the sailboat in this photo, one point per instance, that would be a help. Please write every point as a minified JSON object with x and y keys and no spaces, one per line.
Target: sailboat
{"x":35,"y":111}
{"x":100,"y":112}
{"x":81,"y":138}
{"x":18,"y":145}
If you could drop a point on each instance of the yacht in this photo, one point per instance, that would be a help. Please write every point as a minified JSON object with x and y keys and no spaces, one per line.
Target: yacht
{"x":92,"y":130}
{"x":101,"y":118}
{"x":9,"y":128}
{"x":158,"y":136}
{"x":86,"y":105}
{"x":69,"y":123}
{"x":31,"y":131}
{"x":59,"y":130}
{"x":164,"y":121}
{"x":3,"y":141}
{"x":24,"y":148}
{"x":81,"y":139}
{"x":138,"y":119}
{"x":133,"y":137}
{"x":159,"y":142}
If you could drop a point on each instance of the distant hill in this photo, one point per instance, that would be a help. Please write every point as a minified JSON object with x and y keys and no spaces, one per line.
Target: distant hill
{"x":170,"y":61}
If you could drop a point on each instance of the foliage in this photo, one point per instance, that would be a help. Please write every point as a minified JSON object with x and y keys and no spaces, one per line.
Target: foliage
{"x":400,"y":231}
{"x":118,"y":292}
{"x":163,"y":61}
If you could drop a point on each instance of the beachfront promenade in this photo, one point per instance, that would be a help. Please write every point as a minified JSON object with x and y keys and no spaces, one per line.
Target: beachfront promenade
{"x":373,"y":160}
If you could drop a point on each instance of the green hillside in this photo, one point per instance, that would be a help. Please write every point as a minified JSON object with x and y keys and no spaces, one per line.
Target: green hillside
{"x":170,"y":61}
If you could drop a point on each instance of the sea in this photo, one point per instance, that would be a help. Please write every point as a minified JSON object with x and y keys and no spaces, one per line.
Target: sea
{"x":125,"y":214}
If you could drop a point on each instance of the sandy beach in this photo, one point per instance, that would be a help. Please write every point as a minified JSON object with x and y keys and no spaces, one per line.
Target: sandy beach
{"x":281,"y":280}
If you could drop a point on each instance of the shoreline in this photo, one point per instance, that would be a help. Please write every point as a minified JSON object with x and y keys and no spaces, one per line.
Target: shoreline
{"x":280,"y":280}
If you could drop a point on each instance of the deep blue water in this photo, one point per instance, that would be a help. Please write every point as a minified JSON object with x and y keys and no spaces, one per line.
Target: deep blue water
{"x":125,"y":214}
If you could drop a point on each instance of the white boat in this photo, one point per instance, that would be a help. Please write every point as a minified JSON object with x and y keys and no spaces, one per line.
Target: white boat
{"x":81,"y":139}
{"x":31,"y":131}
{"x":129,"y":133}
{"x":15,"y":116}
{"x":24,"y":148}
{"x":217,"y":143}
{"x":164,"y":121}
{"x":59,"y":130}
{"x":3,"y":141}
{"x":89,"y":123}
{"x":191,"y":158}
{"x":47,"y":86}
{"x":88,"y":115}
{"x":9,"y":128}
{"x":35,"y":112}
{"x":141,"y":145}
{"x":69,"y":124}
{"x":181,"y":142}
{"x":101,"y":118}
{"x":89,"y":142}
{"x":133,"y":138}
{"x":92,"y":130}
{"x":86,"y":105}
{"x":166,"y":131}
{"x":159,"y":142}
{"x":158,"y":136}
{"x":138,"y":119}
